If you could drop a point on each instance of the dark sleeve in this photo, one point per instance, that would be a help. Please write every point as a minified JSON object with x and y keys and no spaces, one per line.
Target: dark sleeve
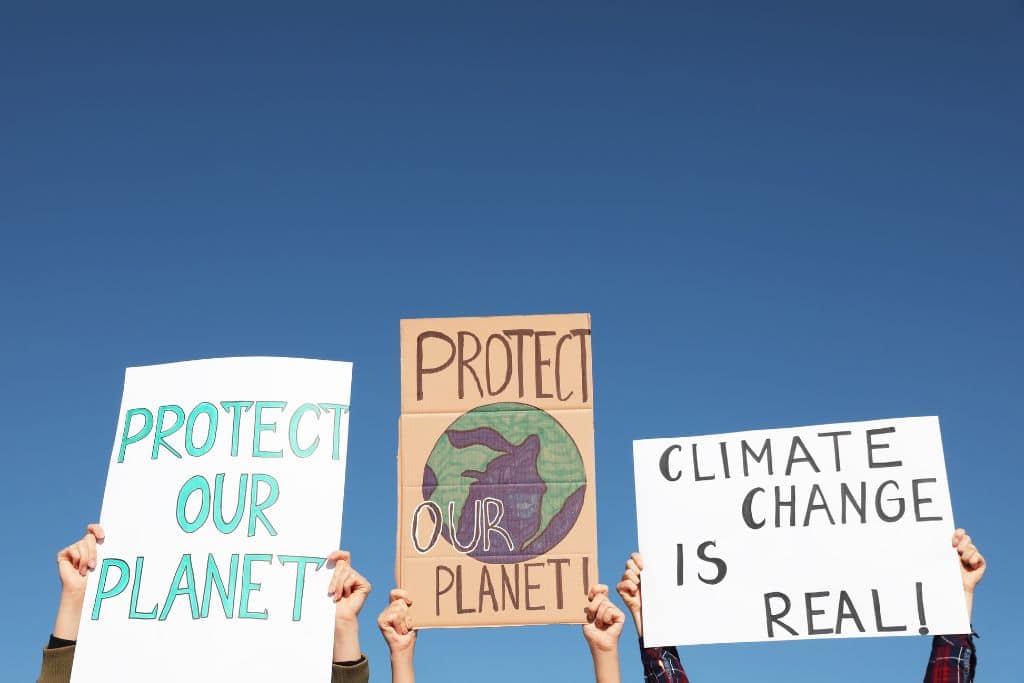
{"x":351,"y":672}
{"x":57,"y":661}
{"x":662,"y":665}
{"x":953,"y":660}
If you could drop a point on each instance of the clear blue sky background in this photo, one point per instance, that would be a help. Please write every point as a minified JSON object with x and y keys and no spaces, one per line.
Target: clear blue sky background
{"x":777,"y":213}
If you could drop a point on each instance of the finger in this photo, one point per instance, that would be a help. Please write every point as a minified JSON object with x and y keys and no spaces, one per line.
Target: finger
{"x":597,"y":589}
{"x":90,"y":551}
{"x":347,"y":585}
{"x":398,"y":622}
{"x":390,"y":613}
{"x":602,"y":618}
{"x":356,"y":583}
{"x":632,"y":575}
{"x":598,"y":603}
{"x":341,"y":573}
{"x":361,"y":584}
{"x":399,"y":594}
{"x":639,"y":559}
{"x":626,"y":587}
{"x":401,"y":624}
{"x":340,"y":556}
{"x":97,"y":531}
{"x":599,"y":614}
{"x":957,"y":535}
{"x":591,"y":610}
{"x":964,"y":545}
{"x":78,"y":556}
{"x":632,"y":566}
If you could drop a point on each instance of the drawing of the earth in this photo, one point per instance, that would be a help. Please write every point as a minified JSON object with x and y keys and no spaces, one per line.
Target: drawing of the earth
{"x":519,"y":455}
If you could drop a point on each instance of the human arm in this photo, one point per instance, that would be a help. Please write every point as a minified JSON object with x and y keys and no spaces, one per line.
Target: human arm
{"x":73,"y":566}
{"x":397,"y":628}
{"x":349,"y":590}
{"x":660,"y":664}
{"x":602,"y":631}
{"x":972,"y":566}
{"x":953,"y":658}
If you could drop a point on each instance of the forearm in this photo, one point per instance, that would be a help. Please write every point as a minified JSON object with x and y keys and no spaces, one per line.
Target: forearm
{"x":606,"y":666}
{"x":969,"y":599}
{"x":401,"y":667}
{"x":69,"y":613}
{"x":346,"y":641}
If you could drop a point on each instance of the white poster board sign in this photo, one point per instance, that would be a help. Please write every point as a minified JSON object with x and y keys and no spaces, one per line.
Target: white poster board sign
{"x":223,"y":498}
{"x":829,"y":531}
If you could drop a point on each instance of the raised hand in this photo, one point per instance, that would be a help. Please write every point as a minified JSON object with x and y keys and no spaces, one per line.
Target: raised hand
{"x":349,"y":590}
{"x":396,"y":624}
{"x":397,"y":628}
{"x":604,"y":621}
{"x":972,"y":563}
{"x":629,"y":590}
{"x":972,"y":566}
{"x":73,"y":566}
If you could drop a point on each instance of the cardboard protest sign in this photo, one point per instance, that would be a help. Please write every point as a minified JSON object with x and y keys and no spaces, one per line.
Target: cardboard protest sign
{"x":223,"y":498}
{"x":496,"y":520}
{"x":813,"y":532}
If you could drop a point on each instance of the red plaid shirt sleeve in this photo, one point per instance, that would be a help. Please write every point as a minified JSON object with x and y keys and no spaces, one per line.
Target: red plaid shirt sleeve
{"x":953,"y":660}
{"x":662,"y":665}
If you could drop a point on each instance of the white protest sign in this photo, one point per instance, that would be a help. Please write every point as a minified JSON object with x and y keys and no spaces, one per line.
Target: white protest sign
{"x":813,"y":532}
{"x":223,"y":498}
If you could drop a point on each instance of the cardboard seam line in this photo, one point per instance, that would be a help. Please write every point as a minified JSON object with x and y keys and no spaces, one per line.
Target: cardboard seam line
{"x":441,"y":487}
{"x":433,"y":555}
{"x":553,"y":622}
{"x":490,"y":408}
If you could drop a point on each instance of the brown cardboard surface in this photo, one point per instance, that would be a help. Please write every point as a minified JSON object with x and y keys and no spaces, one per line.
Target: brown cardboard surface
{"x":455,"y":364}
{"x":497,"y":514}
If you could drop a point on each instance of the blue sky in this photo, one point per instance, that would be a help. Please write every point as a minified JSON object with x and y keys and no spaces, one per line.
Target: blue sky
{"x":789,"y":214}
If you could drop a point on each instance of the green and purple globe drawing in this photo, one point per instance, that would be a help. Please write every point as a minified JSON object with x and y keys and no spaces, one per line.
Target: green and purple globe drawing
{"x":511,"y":467}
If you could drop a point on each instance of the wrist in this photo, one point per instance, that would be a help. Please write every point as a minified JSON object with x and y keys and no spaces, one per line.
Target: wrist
{"x":403,"y":656}
{"x":346,"y":641}
{"x":72,"y":596}
{"x":604,"y":650}
{"x":68,"y":615}
{"x":606,"y":664}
